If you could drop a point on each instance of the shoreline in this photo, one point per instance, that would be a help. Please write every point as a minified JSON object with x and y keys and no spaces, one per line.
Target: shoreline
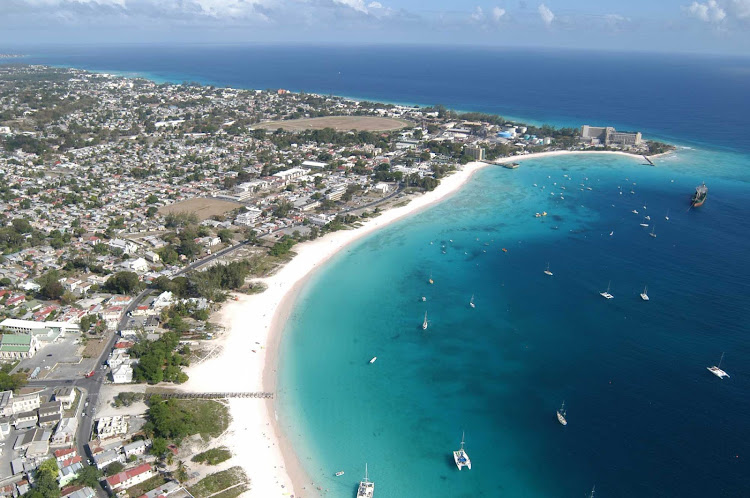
{"x":257,"y":440}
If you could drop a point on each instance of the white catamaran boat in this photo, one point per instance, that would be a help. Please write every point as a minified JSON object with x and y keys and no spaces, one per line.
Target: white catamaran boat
{"x":424,"y":324}
{"x":606,"y":294}
{"x":561,"y":415}
{"x":547,"y":272}
{"x":716,"y":369}
{"x":366,"y":488}
{"x":471,"y":301}
{"x":644,"y":296}
{"x":461,"y":458}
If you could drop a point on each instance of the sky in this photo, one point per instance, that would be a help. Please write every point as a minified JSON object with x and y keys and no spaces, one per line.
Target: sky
{"x":698,"y":26}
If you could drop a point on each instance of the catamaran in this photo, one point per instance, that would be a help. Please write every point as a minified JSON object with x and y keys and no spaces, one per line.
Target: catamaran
{"x":471,"y":301}
{"x":561,"y":415}
{"x":716,"y":369}
{"x":547,"y":272}
{"x":644,"y":296}
{"x":606,"y":294}
{"x":424,"y":324}
{"x":366,"y":488}
{"x":460,"y":457}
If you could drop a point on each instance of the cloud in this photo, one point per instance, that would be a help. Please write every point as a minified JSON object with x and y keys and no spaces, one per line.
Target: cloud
{"x":358,"y":5}
{"x":546,"y":14}
{"x":497,"y":13}
{"x":739,"y":9}
{"x":710,"y":12}
{"x":478,"y":14}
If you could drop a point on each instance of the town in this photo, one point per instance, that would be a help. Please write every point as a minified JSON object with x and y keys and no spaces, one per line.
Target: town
{"x":129,"y":210}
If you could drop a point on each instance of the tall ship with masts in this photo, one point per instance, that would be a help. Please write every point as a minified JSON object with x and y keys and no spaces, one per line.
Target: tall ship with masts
{"x":699,"y":197}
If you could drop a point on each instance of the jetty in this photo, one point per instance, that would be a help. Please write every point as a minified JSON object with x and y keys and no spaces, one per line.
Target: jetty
{"x":216,"y":395}
{"x":648,"y":160}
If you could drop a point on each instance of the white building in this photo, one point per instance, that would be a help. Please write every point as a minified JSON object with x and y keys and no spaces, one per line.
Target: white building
{"x":129,"y":478}
{"x":248,"y":218}
{"x":290,"y":175}
{"x":123,"y":374}
{"x":108,"y":427}
{"x":14,"y":325}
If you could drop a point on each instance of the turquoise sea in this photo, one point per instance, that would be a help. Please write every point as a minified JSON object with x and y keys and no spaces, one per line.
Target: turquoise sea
{"x":645,"y":416}
{"x":646,"y":419}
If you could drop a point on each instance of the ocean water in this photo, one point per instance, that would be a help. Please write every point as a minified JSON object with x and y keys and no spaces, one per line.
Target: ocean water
{"x":645,"y":416}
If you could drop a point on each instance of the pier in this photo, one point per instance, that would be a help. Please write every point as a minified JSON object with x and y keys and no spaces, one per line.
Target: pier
{"x":176,"y":395}
{"x":649,"y":160}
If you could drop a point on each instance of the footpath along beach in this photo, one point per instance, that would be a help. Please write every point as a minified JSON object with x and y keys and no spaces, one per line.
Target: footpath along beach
{"x":248,"y":358}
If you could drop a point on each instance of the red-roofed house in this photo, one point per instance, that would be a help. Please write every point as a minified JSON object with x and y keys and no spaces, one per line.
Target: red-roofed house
{"x":64,"y":454}
{"x":124,"y":345}
{"x":128,"y":478}
{"x":15,"y":300}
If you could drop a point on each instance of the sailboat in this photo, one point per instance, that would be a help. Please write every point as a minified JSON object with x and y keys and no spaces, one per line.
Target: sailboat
{"x":653,"y":234}
{"x":366,"y":488}
{"x":547,"y":272}
{"x":471,"y":301}
{"x":561,"y":415}
{"x":424,"y":324}
{"x":460,"y":457}
{"x":430,"y":279}
{"x":593,"y":489}
{"x":717,"y":371}
{"x":644,"y":296}
{"x":606,"y":293}
{"x":667,"y":216}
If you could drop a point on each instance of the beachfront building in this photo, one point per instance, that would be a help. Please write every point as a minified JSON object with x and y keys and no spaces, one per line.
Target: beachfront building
{"x":606,"y":135}
{"x":475,"y":152}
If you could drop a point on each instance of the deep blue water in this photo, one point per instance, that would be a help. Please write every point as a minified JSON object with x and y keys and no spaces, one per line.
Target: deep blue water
{"x":686,"y":98}
{"x":645,"y":416}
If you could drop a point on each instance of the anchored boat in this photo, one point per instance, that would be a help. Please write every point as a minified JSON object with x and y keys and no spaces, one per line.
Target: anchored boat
{"x":460,"y":457}
{"x":699,"y":197}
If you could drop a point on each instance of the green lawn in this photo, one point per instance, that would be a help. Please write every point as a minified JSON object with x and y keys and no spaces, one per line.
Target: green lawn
{"x":208,"y":418}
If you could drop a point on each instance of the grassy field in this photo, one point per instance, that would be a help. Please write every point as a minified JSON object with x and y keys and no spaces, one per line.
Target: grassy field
{"x":208,"y":418}
{"x":338,"y":123}
{"x":203,"y":207}
{"x":220,"y":481}
{"x":214,"y":456}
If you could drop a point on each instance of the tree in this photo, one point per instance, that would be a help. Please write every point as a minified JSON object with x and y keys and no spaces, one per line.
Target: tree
{"x":10,"y":382}
{"x":225,"y":235}
{"x":158,"y":446}
{"x":152,"y":199}
{"x":124,"y":282}
{"x":113,"y":468}
{"x":88,"y":476}
{"x":52,"y":289}
{"x":45,"y":485}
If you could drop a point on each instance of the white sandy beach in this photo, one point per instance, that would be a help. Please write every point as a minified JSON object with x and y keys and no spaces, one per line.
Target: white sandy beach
{"x":254,"y":323}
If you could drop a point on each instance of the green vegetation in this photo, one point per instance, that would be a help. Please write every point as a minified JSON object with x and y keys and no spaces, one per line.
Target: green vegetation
{"x":124,"y":282}
{"x":157,"y":360}
{"x":214,"y":456}
{"x":45,"y":484}
{"x":127,"y":399}
{"x":174,"y":419}
{"x":220,"y":481}
{"x":283,"y":246}
{"x":88,"y":476}
{"x":10,"y":382}
{"x":113,"y":468}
